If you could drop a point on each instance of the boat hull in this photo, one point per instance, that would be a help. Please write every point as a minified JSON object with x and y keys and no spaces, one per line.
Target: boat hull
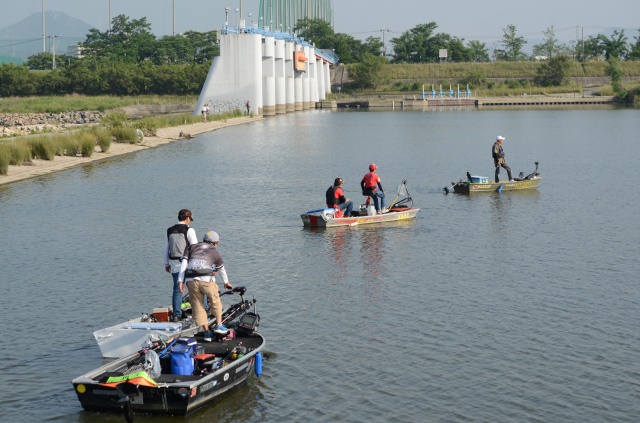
{"x":174,"y":394}
{"x":471,"y":188}
{"x":311,"y":220}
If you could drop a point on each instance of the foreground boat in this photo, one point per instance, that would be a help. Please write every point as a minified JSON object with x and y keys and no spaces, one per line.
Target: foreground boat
{"x":129,"y":337}
{"x":401,"y":209}
{"x":475,"y":184}
{"x":179,"y":376}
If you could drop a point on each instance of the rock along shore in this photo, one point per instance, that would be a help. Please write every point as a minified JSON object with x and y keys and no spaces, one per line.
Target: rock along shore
{"x":163,"y":136}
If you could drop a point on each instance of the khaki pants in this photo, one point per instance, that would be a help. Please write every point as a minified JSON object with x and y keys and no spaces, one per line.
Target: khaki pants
{"x":197,"y":291}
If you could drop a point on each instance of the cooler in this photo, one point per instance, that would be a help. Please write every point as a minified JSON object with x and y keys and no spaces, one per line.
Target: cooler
{"x":479,"y":179}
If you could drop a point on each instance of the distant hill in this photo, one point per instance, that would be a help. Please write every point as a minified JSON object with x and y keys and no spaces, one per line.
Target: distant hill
{"x":24,"y":38}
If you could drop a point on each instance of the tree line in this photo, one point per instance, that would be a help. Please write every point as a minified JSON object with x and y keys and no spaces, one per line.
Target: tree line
{"x":127,"y":60}
{"x":130,"y":60}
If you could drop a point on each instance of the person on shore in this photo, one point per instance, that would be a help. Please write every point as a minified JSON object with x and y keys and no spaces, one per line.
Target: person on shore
{"x":248,"y":105}
{"x":372,"y":187}
{"x":205,"y":112}
{"x":498,"y":158}
{"x":200,"y":264}
{"x":337,"y":200}
{"x":179,"y":237}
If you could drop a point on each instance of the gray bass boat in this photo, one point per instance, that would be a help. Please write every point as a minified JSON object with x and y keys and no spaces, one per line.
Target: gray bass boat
{"x":178,"y":376}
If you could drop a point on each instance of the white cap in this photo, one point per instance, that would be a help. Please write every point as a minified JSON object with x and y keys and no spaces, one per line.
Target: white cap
{"x":500,"y":138}
{"x":211,"y":236}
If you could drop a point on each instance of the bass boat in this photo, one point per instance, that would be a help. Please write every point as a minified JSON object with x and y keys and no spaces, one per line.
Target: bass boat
{"x":176,"y":377}
{"x":401,"y":209}
{"x":473,"y":184}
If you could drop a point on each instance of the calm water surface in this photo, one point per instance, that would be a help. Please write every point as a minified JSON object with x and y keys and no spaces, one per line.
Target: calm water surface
{"x":490,"y":308}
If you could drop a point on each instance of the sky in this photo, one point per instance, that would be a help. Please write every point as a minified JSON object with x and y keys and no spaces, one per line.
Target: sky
{"x":471,"y":20}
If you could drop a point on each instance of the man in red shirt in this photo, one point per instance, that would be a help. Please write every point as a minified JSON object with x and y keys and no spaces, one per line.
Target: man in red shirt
{"x":371,"y":186}
{"x":337,"y":200}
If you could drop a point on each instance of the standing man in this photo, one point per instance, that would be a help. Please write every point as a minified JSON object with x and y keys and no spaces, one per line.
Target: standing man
{"x":200,"y":264}
{"x":179,"y":237}
{"x":498,"y":158}
{"x":337,"y":200}
{"x":205,"y":111}
{"x":371,"y":186}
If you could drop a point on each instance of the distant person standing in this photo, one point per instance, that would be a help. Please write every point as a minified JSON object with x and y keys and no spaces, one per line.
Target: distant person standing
{"x":498,"y":158}
{"x":248,"y":104}
{"x":179,"y":237}
{"x":205,"y":112}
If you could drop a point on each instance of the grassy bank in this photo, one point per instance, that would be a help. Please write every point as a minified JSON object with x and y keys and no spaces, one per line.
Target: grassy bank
{"x":115,"y":128}
{"x":67,"y":103}
{"x":457,"y":71}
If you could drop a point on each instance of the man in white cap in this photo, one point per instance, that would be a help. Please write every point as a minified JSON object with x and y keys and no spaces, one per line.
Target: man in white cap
{"x":200,"y":264}
{"x":498,"y":159}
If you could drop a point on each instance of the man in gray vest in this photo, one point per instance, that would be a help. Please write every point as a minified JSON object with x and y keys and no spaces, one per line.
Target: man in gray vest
{"x":199,"y":267}
{"x":179,"y":237}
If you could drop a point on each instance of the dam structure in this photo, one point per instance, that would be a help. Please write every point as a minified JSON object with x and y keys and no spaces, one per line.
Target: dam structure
{"x":264,"y":73}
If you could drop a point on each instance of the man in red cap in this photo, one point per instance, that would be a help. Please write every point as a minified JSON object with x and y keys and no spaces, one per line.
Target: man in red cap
{"x":371,"y":186}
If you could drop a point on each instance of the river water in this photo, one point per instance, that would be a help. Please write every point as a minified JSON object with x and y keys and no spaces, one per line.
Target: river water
{"x":493,"y":308}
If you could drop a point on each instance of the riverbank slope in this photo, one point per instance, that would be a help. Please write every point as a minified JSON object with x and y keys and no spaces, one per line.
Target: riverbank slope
{"x":163,"y":136}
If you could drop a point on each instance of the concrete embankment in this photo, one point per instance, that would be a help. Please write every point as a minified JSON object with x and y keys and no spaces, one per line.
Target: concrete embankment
{"x":413,"y":103}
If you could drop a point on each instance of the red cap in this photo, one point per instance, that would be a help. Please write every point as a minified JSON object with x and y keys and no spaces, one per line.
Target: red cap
{"x":372,"y":166}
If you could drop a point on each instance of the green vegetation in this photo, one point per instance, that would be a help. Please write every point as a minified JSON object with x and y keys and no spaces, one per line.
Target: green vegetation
{"x":76,"y":102}
{"x":115,"y":128}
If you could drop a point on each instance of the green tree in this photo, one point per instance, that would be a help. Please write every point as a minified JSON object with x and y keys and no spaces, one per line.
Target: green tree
{"x":614,"y":46}
{"x":413,"y":46}
{"x":372,"y":45}
{"x":346,"y":47}
{"x":634,"y":52}
{"x":512,"y":45}
{"x":478,"y":51}
{"x":316,"y":31}
{"x":549,"y":46}
{"x":44,"y":61}
{"x":590,"y":49}
{"x":130,"y":41}
{"x":366,"y":73}
{"x":16,"y":81}
{"x":616,"y":74}
{"x":552,"y":71}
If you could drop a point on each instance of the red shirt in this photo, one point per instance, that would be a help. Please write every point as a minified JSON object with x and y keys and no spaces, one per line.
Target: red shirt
{"x":371,"y":180}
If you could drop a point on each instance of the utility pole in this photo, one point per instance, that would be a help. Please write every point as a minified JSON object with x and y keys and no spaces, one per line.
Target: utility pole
{"x":52,"y":47}
{"x":384,"y":46}
{"x":174,"y":18}
{"x":44,"y":47}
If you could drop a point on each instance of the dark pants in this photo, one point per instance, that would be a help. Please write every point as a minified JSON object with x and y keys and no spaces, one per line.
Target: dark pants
{"x":506,"y":167}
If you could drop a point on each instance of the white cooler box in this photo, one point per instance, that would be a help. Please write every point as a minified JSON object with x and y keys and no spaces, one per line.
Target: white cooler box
{"x":129,"y":337}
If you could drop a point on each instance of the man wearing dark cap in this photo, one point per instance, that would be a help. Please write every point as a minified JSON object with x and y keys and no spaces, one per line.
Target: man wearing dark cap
{"x":200,"y":264}
{"x":179,"y":237}
{"x":498,"y":159}
{"x":337,"y":200}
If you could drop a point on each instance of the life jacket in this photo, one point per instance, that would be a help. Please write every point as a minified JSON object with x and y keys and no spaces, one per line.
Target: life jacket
{"x":370,"y":180}
{"x":178,"y":242}
{"x":331,"y":196}
{"x":139,"y":378}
